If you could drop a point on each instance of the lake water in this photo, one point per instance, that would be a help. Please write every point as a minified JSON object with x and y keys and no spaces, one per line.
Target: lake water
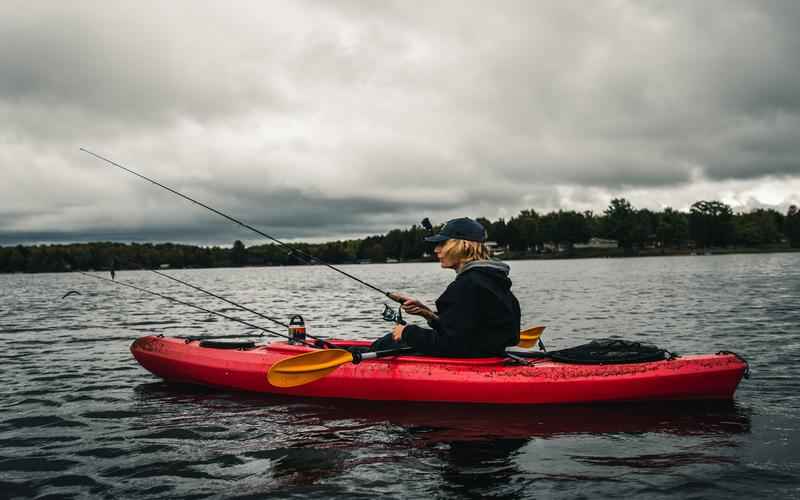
{"x":80,"y":418}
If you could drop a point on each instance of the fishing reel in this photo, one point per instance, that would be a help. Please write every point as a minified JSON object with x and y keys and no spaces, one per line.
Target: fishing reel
{"x":390,"y":315}
{"x":297,"y":330}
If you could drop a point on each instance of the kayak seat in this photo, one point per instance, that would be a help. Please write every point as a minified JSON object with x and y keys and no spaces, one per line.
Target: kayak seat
{"x":216,"y":344}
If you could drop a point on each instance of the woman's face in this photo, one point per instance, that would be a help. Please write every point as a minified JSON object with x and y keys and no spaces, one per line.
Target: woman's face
{"x":446,"y":261}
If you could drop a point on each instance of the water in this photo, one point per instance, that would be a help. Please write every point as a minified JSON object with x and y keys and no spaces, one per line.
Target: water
{"x":79,"y":418}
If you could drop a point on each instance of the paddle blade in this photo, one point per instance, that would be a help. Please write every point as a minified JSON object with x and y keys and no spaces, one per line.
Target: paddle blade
{"x":530,"y":336}
{"x":308,"y":367}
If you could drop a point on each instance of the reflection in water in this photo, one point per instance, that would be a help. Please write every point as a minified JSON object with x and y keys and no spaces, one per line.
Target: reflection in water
{"x":441,"y":422}
{"x":459,"y":450}
{"x":482,"y":468}
{"x":446,"y":422}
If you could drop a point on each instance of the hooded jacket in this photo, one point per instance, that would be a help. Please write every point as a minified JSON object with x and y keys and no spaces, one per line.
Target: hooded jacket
{"x":478,"y":315}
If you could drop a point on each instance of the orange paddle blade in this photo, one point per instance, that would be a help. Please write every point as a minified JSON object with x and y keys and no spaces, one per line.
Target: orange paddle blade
{"x":307,"y":367}
{"x":530,"y":336}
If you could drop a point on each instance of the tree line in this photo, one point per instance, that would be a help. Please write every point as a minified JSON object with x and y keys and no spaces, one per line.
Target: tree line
{"x":707,"y":224}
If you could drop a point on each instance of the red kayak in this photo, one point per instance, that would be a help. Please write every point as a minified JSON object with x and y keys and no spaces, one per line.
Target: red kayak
{"x":423,"y":378}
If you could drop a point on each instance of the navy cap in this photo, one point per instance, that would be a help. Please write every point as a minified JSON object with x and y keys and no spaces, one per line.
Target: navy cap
{"x":460,"y":229}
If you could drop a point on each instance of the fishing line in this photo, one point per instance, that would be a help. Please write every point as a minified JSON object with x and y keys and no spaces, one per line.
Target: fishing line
{"x":178,"y":301}
{"x":308,"y":258}
{"x":240,"y":306}
{"x":195,"y":287}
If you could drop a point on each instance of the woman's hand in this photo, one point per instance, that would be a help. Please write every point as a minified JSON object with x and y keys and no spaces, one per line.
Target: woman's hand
{"x":413,"y":306}
{"x":417,"y":308}
{"x":397,"y":333}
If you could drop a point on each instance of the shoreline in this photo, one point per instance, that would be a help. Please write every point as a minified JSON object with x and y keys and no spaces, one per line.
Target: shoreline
{"x":581,"y":253}
{"x":594,"y":253}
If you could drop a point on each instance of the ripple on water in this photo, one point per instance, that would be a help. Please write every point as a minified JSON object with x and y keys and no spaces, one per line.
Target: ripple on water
{"x":36,"y":442}
{"x":36,"y":464}
{"x":35,"y":402}
{"x":186,"y":434}
{"x":41,"y":421}
{"x":18,"y":489}
{"x":103,"y":452}
{"x":187,"y":469}
{"x":111,"y":414}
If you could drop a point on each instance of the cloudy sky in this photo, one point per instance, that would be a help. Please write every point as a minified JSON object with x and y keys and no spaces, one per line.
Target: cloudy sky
{"x":327,"y":119}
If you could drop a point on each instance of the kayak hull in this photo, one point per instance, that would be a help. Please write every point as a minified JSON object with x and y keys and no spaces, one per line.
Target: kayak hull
{"x":422,"y":378}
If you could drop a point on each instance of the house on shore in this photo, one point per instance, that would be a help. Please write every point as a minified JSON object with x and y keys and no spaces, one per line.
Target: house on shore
{"x":598,"y":243}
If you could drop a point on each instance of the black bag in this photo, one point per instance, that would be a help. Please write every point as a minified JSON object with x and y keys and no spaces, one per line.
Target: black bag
{"x":604,"y":352}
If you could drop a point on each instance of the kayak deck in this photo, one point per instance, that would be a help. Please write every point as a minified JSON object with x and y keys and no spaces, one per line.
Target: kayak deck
{"x":456,"y":380}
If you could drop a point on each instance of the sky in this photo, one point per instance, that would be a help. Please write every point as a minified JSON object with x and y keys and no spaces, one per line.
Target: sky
{"x":321,"y":120}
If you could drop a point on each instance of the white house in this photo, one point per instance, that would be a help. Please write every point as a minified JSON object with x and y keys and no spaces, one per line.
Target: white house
{"x":494,"y":248}
{"x":598,"y":243}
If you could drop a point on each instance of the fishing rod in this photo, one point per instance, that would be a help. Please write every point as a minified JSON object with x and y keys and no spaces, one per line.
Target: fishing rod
{"x":245,"y":308}
{"x":178,"y":301}
{"x":195,"y":287}
{"x":240,"y":306}
{"x":307,"y":257}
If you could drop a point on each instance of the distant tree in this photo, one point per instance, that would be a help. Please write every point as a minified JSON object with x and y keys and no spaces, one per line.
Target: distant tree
{"x":566,"y":227}
{"x":413,"y":245}
{"x":367,"y":248}
{"x":487,"y":224}
{"x":19,"y":258}
{"x":672,"y":228}
{"x":595,"y":223}
{"x":393,"y":244}
{"x":547,"y":229}
{"x":622,"y":223}
{"x":711,"y":223}
{"x":238,"y":254}
{"x":334,"y":252}
{"x":498,"y":231}
{"x":375,"y":253}
{"x":758,"y":227}
{"x":646,"y":222}
{"x":791,"y":226}
{"x":524,"y":232}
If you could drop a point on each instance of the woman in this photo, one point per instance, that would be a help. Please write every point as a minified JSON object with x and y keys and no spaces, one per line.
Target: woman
{"x":477,"y":315}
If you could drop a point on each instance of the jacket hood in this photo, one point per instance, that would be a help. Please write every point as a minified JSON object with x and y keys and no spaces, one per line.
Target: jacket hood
{"x":492,"y":266}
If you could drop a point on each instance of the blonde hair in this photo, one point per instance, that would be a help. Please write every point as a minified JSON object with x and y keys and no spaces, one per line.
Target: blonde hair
{"x":465,"y":251}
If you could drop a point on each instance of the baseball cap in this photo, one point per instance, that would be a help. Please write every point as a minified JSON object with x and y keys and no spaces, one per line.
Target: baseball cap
{"x":463,"y":228}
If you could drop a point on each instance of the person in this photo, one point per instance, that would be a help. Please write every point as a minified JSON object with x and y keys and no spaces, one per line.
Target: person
{"x":477,"y":315}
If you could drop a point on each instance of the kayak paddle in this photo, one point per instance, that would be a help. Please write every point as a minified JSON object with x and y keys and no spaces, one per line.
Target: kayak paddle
{"x":308,"y":367}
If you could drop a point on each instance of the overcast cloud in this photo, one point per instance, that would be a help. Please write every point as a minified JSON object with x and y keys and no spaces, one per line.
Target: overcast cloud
{"x":321,"y":120}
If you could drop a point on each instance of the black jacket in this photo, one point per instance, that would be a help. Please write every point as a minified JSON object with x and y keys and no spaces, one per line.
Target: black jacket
{"x":478,"y":315}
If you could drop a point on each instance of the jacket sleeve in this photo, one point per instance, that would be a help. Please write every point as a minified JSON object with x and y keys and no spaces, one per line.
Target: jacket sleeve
{"x":459,"y":314}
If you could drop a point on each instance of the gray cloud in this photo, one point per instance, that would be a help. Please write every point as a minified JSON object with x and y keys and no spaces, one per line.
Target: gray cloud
{"x":326,"y":119}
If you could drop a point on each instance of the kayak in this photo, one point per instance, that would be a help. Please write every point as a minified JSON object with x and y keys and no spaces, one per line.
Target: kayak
{"x":494,"y":380}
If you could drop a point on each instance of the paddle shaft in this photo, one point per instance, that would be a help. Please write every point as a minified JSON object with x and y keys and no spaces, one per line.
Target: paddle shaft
{"x":305,"y":256}
{"x":358,"y":357}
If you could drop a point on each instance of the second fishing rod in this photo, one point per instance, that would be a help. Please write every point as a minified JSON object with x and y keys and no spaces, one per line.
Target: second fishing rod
{"x":296,"y":325}
{"x":294,"y":251}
